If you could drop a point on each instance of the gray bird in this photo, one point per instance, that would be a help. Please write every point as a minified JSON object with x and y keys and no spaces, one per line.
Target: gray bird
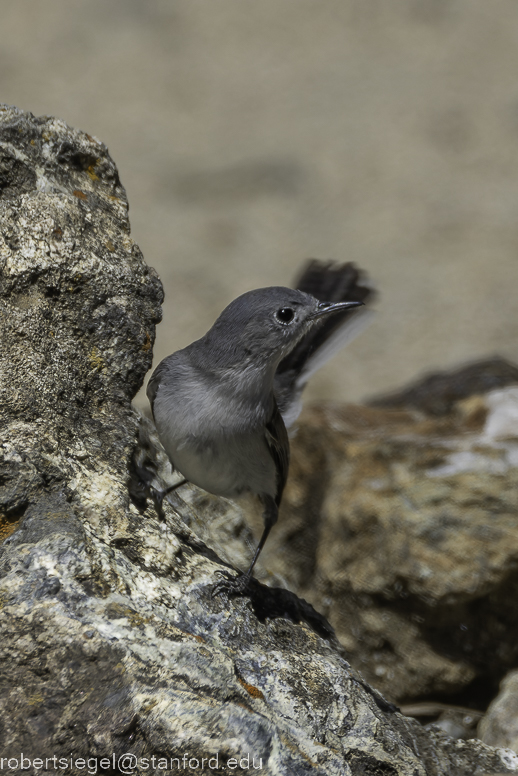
{"x":222,"y":404}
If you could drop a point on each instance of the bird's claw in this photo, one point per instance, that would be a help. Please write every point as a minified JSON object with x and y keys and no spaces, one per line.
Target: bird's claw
{"x":231,"y":584}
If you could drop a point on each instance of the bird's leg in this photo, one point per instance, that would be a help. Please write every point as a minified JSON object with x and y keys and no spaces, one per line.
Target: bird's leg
{"x":159,"y":495}
{"x":238,"y":585}
{"x":270,"y":515}
{"x":173,"y":487}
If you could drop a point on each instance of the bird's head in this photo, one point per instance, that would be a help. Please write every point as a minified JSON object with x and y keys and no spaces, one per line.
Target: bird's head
{"x":264,"y":325}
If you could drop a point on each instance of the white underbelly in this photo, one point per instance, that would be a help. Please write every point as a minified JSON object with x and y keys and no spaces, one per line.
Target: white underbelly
{"x":226,"y":467}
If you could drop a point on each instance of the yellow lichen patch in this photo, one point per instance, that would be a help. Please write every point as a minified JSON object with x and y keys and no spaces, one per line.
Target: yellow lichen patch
{"x":147,"y":344}
{"x":77,"y":278}
{"x":119,"y":611}
{"x":91,"y":172}
{"x":110,"y":246}
{"x":291,"y":746}
{"x":79,"y":194}
{"x":191,"y":635}
{"x":7,"y":527}
{"x":136,"y":620}
{"x":96,"y":359}
{"x":35,"y":699}
{"x":255,"y":692}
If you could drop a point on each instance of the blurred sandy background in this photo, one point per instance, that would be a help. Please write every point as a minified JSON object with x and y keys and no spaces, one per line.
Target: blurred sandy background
{"x":253,"y":134}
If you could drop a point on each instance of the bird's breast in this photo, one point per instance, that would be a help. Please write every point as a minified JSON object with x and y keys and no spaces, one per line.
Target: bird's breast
{"x":214,"y":440}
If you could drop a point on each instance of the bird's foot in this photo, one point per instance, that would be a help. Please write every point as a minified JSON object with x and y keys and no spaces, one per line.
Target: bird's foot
{"x":231,"y":585}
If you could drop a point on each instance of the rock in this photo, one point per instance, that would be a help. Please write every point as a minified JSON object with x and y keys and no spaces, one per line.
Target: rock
{"x":437,"y":393}
{"x":112,"y":644}
{"x":499,"y":727}
{"x":401,"y":527}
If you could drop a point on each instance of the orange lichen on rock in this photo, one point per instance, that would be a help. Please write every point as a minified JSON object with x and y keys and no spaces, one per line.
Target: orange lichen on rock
{"x":255,"y":692}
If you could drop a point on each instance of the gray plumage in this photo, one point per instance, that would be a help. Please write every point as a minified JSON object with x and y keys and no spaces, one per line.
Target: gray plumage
{"x":215,"y":403}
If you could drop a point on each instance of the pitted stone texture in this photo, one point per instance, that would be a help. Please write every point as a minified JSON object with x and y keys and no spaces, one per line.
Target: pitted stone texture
{"x":111,"y":640}
{"x":78,"y":308}
{"x":78,"y":303}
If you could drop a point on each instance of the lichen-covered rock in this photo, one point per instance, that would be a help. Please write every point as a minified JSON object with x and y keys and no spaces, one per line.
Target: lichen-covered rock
{"x":77,"y":312}
{"x":112,"y":644}
{"x":402,"y":527}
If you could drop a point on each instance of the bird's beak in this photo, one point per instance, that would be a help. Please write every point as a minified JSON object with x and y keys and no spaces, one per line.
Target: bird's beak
{"x":327,"y":308}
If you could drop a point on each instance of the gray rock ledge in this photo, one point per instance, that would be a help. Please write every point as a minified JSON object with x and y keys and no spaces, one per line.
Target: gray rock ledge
{"x":110,"y":640}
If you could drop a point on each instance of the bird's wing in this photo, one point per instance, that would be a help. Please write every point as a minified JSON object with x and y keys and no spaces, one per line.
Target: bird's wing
{"x":277,"y":440}
{"x":153,"y":386}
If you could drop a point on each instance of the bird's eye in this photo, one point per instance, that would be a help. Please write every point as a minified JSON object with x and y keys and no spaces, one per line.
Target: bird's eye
{"x":285,"y":315}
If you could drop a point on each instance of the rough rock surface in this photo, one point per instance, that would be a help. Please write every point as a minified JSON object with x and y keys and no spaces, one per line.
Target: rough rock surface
{"x":401,"y":526}
{"x":111,"y":642}
{"x":499,"y":727}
